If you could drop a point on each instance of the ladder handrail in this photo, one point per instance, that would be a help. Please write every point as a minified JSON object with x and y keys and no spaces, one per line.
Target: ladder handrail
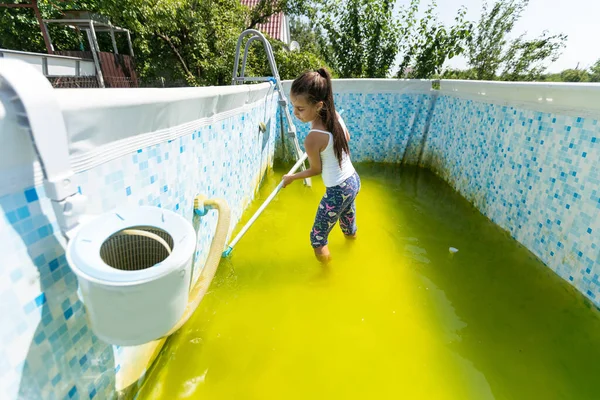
{"x":248,"y":43}
{"x":283,"y":101}
{"x":256,"y":35}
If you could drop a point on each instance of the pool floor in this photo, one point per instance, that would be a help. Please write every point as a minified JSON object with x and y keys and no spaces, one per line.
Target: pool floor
{"x":395,"y":314}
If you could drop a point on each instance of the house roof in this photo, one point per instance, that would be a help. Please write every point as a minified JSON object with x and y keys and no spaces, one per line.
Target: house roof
{"x":273,"y":27}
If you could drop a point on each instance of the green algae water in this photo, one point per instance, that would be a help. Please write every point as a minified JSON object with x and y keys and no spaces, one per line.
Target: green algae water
{"x":394,"y":315}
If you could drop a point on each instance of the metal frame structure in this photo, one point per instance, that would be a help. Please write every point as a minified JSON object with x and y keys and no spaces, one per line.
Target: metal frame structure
{"x":91,"y":26}
{"x":283,"y":101}
{"x":44,"y":58}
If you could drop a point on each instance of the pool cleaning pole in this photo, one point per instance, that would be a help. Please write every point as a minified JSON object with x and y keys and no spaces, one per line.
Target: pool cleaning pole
{"x":229,"y":249}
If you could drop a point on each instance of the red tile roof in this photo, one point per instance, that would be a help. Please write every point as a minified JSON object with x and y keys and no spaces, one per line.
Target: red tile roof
{"x":273,"y":26}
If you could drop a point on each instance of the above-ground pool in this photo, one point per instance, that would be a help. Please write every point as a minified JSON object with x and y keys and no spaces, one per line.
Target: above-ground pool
{"x":395,"y":314}
{"x":506,"y":173}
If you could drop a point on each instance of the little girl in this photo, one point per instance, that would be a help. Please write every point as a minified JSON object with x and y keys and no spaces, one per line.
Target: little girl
{"x":328,"y":154}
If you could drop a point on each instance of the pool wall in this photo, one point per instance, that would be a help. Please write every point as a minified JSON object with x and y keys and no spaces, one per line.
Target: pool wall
{"x":387,"y":118}
{"x":128,"y":147}
{"x":527,"y":155}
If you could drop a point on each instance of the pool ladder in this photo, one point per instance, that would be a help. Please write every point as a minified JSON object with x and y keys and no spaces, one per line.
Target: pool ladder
{"x":283,"y":101}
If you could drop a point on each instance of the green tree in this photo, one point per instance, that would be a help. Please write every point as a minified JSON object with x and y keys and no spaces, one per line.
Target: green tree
{"x":362,"y":36}
{"x":290,"y":64}
{"x":427,"y":48}
{"x":490,"y":51}
{"x":293,"y":63}
{"x":468,"y":74}
{"x":595,"y":72}
{"x":486,"y":52}
{"x":21,"y":31}
{"x":182,"y":39}
{"x":574,"y":75}
{"x":264,"y":9}
{"x":551,"y":78}
{"x":524,"y":59}
{"x":190,"y":40}
{"x":309,"y":37}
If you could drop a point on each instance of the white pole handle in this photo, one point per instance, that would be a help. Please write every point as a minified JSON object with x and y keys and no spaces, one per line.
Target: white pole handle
{"x":229,"y":249}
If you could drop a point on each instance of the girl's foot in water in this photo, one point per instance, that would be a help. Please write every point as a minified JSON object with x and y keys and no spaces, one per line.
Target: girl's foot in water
{"x":322,"y":254}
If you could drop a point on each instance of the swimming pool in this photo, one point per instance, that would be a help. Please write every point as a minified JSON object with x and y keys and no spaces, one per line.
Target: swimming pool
{"x":394,"y":315}
{"x":523,"y":155}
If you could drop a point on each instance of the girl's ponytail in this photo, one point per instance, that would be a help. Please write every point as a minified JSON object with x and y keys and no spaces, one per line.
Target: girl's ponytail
{"x":329,"y":117}
{"x":316,"y":86}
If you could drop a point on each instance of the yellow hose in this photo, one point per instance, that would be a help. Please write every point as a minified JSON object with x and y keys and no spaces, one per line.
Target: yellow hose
{"x":212,"y":262}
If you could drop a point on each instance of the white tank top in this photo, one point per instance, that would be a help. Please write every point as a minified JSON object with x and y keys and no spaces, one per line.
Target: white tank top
{"x":331,"y":172}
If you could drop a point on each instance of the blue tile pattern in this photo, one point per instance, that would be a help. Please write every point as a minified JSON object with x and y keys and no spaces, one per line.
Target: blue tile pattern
{"x":47,"y":349}
{"x":385,"y":127}
{"x":534,"y":174}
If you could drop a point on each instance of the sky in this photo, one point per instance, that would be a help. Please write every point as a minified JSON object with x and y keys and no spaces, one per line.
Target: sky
{"x":578,"y":19}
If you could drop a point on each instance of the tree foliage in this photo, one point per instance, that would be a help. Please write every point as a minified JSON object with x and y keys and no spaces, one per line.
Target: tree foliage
{"x":525,"y":59}
{"x":490,"y":36}
{"x":451,"y":73}
{"x":595,"y":72}
{"x":190,"y":40}
{"x":362,"y":36}
{"x":309,"y":36}
{"x":428,"y":43}
{"x":293,"y":63}
{"x":491,"y":53}
{"x":194,"y":40}
{"x":21,"y":31}
{"x":575,"y":75}
{"x":260,"y":13}
{"x":290,"y":64}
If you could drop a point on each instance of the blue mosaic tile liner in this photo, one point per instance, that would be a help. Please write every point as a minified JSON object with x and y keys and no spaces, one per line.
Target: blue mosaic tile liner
{"x":533,"y":173}
{"x":385,"y":127}
{"x":47,"y":349}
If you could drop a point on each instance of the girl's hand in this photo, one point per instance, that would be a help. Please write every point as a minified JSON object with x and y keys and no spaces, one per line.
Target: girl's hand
{"x":287,"y":179}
